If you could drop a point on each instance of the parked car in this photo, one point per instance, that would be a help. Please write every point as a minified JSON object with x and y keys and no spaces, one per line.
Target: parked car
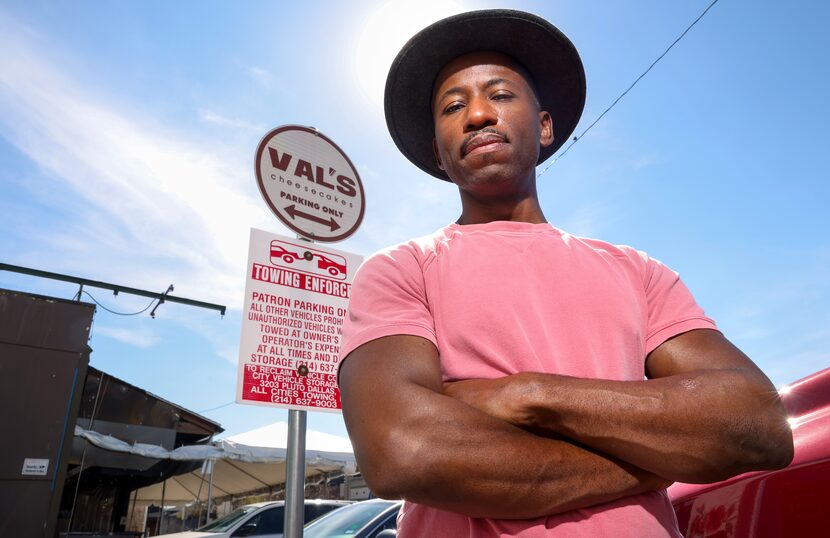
{"x":375,"y":518}
{"x":263,"y":520}
{"x":771,"y":504}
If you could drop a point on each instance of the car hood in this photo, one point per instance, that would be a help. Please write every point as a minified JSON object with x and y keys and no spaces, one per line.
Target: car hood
{"x":194,"y":534}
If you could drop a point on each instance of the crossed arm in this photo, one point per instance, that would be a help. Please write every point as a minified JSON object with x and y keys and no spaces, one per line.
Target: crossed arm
{"x":531,"y":444}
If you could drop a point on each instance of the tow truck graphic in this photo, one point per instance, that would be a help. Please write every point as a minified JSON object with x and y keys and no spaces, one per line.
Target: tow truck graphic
{"x":308,"y":260}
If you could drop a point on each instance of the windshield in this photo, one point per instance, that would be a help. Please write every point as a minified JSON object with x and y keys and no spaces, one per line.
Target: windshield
{"x":346,"y":521}
{"x":224,"y":523}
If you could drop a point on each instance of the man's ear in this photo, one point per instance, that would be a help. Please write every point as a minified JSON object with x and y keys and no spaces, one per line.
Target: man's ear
{"x":546,"y":132}
{"x":435,"y":153}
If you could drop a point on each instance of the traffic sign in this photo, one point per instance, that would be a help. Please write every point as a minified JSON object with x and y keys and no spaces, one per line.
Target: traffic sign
{"x":295,"y":303}
{"x":309,"y":183}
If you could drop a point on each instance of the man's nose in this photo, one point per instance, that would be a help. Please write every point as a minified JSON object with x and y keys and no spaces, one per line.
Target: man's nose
{"x":480,"y":113}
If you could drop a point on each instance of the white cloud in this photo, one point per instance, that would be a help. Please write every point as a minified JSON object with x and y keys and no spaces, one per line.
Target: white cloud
{"x":265,"y":78}
{"x":782,"y":324}
{"x":140,"y":338}
{"x":645,"y":161}
{"x":745,"y":323}
{"x":367,"y":172}
{"x":794,"y":367}
{"x":217,"y":119}
{"x":230,"y":354}
{"x":588,"y":220}
{"x":437,"y":193}
{"x":161,"y":205}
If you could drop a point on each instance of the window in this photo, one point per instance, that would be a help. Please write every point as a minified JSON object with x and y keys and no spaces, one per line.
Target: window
{"x":268,"y":522}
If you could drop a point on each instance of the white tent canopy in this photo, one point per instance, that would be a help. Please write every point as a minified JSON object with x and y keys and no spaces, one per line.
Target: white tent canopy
{"x":249,"y":461}
{"x":276,"y":435}
{"x":229,"y":478}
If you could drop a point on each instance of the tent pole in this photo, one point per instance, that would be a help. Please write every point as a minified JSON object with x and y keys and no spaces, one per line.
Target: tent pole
{"x":132,"y":512}
{"x":210,"y":489}
{"x":199,"y":498}
{"x":295,"y":474}
{"x":83,"y":454}
{"x":159,"y":526}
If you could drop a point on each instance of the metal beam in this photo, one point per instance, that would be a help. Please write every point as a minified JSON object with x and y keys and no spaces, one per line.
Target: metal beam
{"x":246,"y":473}
{"x":115,"y":288}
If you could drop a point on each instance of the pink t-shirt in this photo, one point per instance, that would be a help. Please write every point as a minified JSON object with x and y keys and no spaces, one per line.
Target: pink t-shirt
{"x":507,"y":297}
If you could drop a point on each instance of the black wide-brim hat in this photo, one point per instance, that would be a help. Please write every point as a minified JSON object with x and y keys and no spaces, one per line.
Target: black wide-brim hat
{"x":546,"y":53}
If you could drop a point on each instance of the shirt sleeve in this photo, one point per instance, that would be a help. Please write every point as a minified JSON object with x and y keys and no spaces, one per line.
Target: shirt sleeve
{"x":672,"y":309}
{"x":388,"y":297}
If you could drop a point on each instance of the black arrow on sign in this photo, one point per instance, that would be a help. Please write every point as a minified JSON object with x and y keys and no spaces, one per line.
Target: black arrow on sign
{"x":294,"y":212}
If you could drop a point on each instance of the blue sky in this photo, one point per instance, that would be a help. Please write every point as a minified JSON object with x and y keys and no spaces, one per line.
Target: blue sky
{"x":128,"y":130}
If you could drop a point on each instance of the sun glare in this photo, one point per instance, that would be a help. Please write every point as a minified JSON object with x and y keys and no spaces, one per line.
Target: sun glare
{"x":386,"y":31}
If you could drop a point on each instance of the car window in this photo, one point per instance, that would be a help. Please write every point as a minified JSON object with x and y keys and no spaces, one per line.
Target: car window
{"x":227,"y":521}
{"x":391,"y":522}
{"x":267,"y":522}
{"x":347,"y":521}
{"x":313,"y":511}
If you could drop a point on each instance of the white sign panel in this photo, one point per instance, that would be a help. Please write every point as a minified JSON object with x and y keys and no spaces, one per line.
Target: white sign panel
{"x":35,"y":467}
{"x":309,"y":183}
{"x":295,"y":303}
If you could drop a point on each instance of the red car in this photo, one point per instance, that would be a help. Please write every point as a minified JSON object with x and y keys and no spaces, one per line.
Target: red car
{"x":771,"y":504}
{"x":278,"y":251}
{"x":334,"y":268}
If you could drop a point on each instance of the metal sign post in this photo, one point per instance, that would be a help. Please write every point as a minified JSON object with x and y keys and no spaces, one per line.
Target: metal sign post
{"x":295,"y":469}
{"x":295,"y":474}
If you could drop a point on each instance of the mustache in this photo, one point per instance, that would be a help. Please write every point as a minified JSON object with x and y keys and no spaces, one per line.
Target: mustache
{"x":491,"y":130}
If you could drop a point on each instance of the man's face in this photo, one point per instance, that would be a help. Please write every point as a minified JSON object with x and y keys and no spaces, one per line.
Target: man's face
{"x":488,"y":126}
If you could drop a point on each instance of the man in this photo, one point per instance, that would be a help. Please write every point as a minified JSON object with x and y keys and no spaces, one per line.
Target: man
{"x":494,"y":373}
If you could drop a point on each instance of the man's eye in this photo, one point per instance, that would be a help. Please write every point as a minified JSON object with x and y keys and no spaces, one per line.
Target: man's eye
{"x":453,"y":107}
{"x":501,"y":96}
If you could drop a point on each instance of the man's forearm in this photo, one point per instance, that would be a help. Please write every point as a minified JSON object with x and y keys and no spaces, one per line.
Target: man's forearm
{"x":459,"y":459}
{"x":701,"y":425}
{"x":689,"y":428}
{"x":412,"y":441}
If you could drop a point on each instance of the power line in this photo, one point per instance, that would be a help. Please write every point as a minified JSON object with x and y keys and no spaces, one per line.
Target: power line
{"x":215,"y":408}
{"x":118,"y":313}
{"x":623,"y":94}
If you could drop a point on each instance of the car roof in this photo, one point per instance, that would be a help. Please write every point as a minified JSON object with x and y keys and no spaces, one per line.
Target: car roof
{"x":391,"y":505}
{"x":306,"y":501}
{"x":372,"y":524}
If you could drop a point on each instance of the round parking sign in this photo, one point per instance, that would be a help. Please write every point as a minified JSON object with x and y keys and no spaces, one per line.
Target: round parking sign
{"x":309,"y":183}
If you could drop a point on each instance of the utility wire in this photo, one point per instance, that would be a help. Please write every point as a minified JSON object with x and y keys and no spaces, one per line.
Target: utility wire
{"x":215,"y":408}
{"x":623,"y":94}
{"x":119,"y":313}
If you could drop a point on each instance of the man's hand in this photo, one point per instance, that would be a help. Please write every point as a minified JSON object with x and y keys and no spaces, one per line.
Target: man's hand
{"x":501,"y":397}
